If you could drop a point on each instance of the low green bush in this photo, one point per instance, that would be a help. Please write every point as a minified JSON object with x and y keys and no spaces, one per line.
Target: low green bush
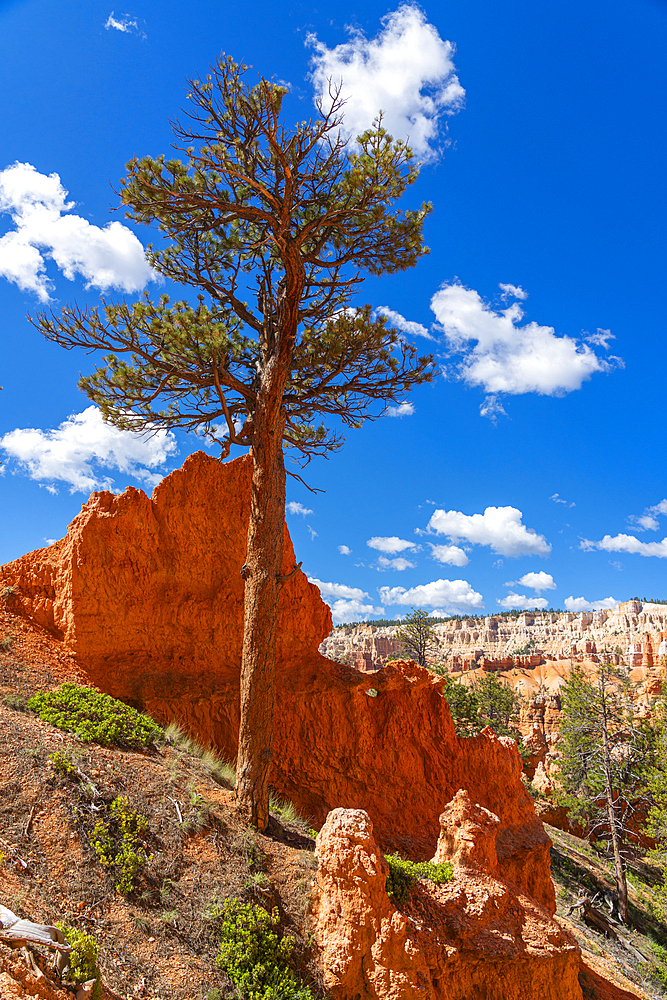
{"x":403,"y":874}
{"x":117,"y":843}
{"x":62,"y":763}
{"x":659,"y":963}
{"x":255,"y":956}
{"x":82,"y":958}
{"x":94,"y":717}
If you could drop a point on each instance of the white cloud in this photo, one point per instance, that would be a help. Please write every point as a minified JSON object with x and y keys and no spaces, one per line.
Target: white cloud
{"x":391,"y":545}
{"x":648,"y":521}
{"x":601,"y":338}
{"x":68,"y":453}
{"x":512,"y":292}
{"x":406,"y":71}
{"x":338,"y":589}
{"x":538,"y":581}
{"x":345,"y":550}
{"x":502,"y":356}
{"x":558,"y":499}
{"x":450,"y":555}
{"x":399,"y":563}
{"x":346,"y":603}
{"x":627,"y":543}
{"x":450,"y":594}
{"x":124,"y":23}
{"x":404,"y":325}
{"x":313,"y":533}
{"x":492,"y":408}
{"x":106,"y":258}
{"x":521,"y":601}
{"x":498,"y":527}
{"x":581,"y":604}
{"x":294,"y":507}
{"x":402,"y":410}
{"x":353,"y":611}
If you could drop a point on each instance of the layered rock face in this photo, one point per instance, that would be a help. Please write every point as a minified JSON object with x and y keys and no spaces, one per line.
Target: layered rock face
{"x":638,"y":631}
{"x":477,"y":935}
{"x":147,"y":594}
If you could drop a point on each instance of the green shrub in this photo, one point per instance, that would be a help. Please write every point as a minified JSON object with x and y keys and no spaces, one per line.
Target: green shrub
{"x":6,"y":643}
{"x":62,"y":763}
{"x":403,"y":874}
{"x":94,"y":717}
{"x":255,"y":956}
{"x":659,"y":963}
{"x":117,"y":845}
{"x":82,"y":958}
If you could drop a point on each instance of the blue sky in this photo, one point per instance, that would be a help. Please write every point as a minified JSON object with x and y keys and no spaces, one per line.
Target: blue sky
{"x":532,"y":470}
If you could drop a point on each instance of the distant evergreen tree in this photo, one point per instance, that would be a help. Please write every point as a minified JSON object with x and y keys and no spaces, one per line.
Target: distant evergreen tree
{"x":417,"y":636}
{"x":606,"y":763}
{"x":487,"y":702}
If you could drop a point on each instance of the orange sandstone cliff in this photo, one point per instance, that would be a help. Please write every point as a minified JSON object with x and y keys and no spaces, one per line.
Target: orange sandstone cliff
{"x":148,"y":597}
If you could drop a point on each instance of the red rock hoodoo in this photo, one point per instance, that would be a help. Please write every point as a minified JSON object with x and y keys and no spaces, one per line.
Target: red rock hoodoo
{"x":147,"y":595}
{"x":476,"y":936}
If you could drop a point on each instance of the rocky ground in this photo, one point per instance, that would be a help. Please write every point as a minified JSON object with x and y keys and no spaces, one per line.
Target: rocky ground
{"x":632,"y":962}
{"x":157,"y":942}
{"x":160,"y":942}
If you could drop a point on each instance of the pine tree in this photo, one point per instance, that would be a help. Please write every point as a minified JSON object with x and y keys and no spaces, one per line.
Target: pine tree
{"x":656,"y":826}
{"x":417,"y":636}
{"x":274,"y":227}
{"x":486,"y":702}
{"x":606,"y":761}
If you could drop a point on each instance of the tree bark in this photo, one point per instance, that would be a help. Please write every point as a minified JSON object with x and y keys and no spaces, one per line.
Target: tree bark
{"x":621,"y":878}
{"x":263,"y":566}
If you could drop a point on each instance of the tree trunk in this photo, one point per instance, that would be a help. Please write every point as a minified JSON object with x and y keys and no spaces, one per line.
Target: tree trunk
{"x":262,"y":571}
{"x":621,"y":879}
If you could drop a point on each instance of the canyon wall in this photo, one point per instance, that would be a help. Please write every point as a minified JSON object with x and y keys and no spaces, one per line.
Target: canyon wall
{"x":634,"y":632}
{"x":147,"y":595}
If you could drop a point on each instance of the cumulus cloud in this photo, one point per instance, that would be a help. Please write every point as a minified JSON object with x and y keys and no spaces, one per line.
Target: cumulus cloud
{"x":449,"y":594}
{"x":450,"y":555}
{"x":502,"y":355}
{"x":581,"y":604}
{"x":399,"y":563}
{"x":521,"y":601}
{"x":297,"y":508}
{"x":627,"y":543}
{"x":346,"y":603}
{"x":344,"y":550}
{"x":538,"y":581}
{"x":500,"y":528}
{"x":391,"y":544}
{"x":407,"y":72}
{"x":404,"y":325}
{"x":68,"y":453}
{"x":648,"y":521}
{"x":106,"y":258}
{"x":402,"y":410}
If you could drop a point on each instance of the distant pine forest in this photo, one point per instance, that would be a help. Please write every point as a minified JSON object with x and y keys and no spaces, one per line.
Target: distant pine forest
{"x":514,"y":613}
